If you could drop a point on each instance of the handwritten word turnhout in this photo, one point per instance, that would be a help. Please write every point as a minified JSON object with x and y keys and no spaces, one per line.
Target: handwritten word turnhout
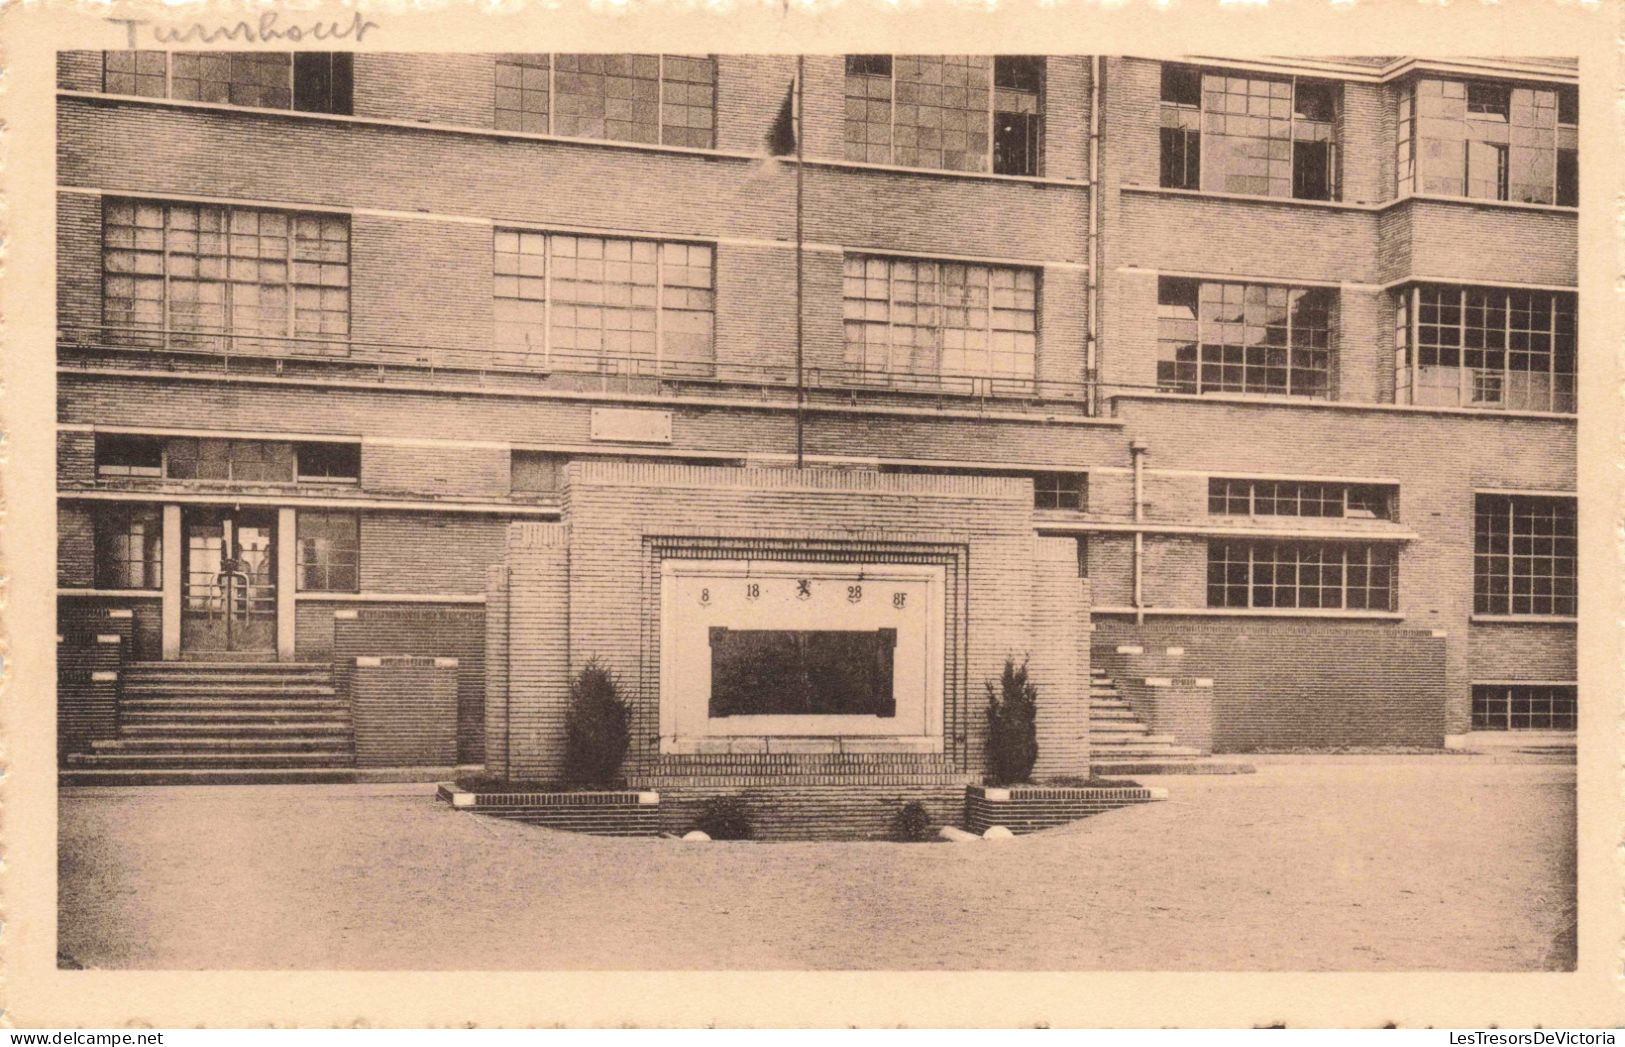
{"x":261,"y":31}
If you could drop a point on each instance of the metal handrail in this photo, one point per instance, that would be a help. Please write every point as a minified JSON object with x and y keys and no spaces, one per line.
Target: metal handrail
{"x":518,"y":361}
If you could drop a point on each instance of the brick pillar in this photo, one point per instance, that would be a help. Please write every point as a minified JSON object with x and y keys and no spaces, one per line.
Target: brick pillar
{"x":496,"y":670}
{"x":1060,"y":659}
{"x":538,"y":662}
{"x":286,"y":582}
{"x":174,"y":546}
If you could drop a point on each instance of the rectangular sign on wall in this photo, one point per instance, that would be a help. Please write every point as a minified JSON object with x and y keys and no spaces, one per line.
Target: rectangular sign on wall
{"x":628,"y":425}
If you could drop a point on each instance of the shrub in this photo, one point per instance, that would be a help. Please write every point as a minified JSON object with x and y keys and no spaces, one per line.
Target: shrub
{"x":911,"y":823}
{"x":1012,"y":731}
{"x":595,"y":729}
{"x":725,"y":818}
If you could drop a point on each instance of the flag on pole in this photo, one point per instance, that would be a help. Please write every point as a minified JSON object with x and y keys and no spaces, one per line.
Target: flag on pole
{"x":781,"y":137}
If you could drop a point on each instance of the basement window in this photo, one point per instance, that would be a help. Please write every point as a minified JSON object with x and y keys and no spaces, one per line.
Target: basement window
{"x":328,"y":463}
{"x":121,"y":455}
{"x":1525,"y":707}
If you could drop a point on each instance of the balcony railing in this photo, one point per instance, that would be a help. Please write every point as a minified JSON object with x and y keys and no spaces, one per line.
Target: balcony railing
{"x":402,"y":360}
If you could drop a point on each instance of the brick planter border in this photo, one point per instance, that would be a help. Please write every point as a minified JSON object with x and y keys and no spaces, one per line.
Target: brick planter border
{"x":1028,"y":808}
{"x":619,"y":812}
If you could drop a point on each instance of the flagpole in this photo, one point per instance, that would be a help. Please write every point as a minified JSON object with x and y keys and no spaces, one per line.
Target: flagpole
{"x":801,"y":389}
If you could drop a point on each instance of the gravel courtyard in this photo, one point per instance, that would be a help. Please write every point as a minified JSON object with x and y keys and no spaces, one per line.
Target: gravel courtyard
{"x":1441,"y":862}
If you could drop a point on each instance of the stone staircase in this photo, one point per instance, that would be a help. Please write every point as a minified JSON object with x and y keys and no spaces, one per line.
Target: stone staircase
{"x":220,"y":722}
{"x":1119,"y":741}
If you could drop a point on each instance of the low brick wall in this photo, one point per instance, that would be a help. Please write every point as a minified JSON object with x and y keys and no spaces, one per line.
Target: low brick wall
{"x":89,"y":676}
{"x":1281,"y":683}
{"x":620,"y":813}
{"x":344,"y":632}
{"x":1028,"y":808}
{"x":783,"y":812}
{"x":405,"y":711}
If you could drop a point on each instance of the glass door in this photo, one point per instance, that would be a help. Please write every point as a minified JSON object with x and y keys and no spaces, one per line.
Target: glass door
{"x":228,"y":606}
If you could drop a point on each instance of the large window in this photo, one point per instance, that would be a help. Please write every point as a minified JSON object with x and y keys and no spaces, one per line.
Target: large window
{"x":1261,"y":136}
{"x":913,"y":317}
{"x":572,"y":302}
{"x":328,"y":551}
{"x":1244,"y":338}
{"x":1525,"y":552}
{"x":192,"y":273}
{"x":1324,"y":575}
{"x":1524,"y":707}
{"x":129,"y":547}
{"x":1489,"y":140}
{"x":1239,"y":497}
{"x":950,"y":112}
{"x":1485,"y":347}
{"x":307,"y":81}
{"x":657,"y":99}
{"x":240,"y":461}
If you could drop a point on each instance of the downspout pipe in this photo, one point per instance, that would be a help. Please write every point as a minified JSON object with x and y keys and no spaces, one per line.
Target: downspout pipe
{"x":1092,"y":274}
{"x":1137,"y":451}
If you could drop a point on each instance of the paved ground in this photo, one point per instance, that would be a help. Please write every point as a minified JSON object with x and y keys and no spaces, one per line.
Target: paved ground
{"x":1445,"y":863}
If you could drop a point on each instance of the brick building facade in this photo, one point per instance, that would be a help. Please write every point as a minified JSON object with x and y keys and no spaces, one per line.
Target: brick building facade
{"x":1284,"y":350}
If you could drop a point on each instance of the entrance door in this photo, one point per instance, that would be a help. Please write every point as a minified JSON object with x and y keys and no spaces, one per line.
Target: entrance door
{"x":229,"y":604}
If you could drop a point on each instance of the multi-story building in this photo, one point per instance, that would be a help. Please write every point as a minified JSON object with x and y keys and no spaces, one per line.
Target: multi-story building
{"x":1283,"y":351}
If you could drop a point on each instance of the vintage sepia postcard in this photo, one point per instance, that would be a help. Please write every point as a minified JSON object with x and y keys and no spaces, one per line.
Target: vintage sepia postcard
{"x":785,"y":515}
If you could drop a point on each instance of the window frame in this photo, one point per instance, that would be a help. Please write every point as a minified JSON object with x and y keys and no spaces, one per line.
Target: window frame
{"x":986,"y":381}
{"x":664,"y":85}
{"x":1503,"y":138}
{"x":1052,"y":489}
{"x":1562,"y":701}
{"x":1185,"y":124}
{"x":1250,"y":357}
{"x":304,"y":269}
{"x":1496,"y":585}
{"x":341,"y":102}
{"x":123,"y":445}
{"x":1039,"y":142}
{"x":1562,"y":337}
{"x":303,"y":551}
{"x":113,"y":521}
{"x":573,"y":359}
{"x":301,"y":447}
{"x":1261,"y":574}
{"x":1222,"y":490}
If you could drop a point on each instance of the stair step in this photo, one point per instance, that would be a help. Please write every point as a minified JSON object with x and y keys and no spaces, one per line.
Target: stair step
{"x":206,"y":776}
{"x":231,"y":729}
{"x":1113,"y":729}
{"x":1110,"y":705}
{"x":1130,"y":739}
{"x":329,"y":758}
{"x":145,"y":688}
{"x":246,"y":705}
{"x":231,"y":667}
{"x":1143,"y":752}
{"x":203,"y":746}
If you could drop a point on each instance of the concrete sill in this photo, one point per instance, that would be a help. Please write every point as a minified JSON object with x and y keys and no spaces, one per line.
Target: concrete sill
{"x":1523,"y":619}
{"x":1255,"y":612}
